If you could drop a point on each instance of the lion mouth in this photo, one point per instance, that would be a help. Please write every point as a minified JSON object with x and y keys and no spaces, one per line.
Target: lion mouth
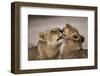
{"x":60,"y":38}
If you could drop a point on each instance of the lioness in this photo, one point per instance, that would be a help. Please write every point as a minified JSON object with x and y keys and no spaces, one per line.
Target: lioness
{"x":72,"y":46}
{"x":49,"y":44}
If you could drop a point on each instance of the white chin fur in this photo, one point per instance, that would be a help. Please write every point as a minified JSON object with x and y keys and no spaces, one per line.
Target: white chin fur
{"x":61,"y":49}
{"x":61,"y":40}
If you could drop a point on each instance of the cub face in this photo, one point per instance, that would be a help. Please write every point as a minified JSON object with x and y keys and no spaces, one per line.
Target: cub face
{"x":71,"y":33}
{"x":72,"y":47}
{"x":72,"y":38}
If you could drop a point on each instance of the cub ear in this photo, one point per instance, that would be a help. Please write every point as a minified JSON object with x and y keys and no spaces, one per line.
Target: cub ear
{"x":42,"y":36}
{"x":68,"y":25}
{"x":82,"y":39}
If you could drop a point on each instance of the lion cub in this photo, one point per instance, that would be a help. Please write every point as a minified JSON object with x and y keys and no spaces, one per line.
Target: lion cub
{"x":72,"y":46}
{"x":49,"y":44}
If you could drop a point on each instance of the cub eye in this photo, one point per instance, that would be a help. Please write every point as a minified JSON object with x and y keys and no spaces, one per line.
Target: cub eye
{"x":75,"y":36}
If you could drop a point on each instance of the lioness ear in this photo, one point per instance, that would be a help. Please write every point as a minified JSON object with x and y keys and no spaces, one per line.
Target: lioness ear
{"x":42,"y":36}
{"x":82,"y":39}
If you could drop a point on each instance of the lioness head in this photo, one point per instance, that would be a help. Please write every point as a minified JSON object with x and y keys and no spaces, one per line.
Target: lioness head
{"x":49,"y":43}
{"x":52,"y":37}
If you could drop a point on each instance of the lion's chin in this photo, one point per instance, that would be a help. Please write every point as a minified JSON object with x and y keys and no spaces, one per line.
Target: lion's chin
{"x":60,"y":41}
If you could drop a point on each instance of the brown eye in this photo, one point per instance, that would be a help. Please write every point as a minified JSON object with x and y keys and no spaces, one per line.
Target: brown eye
{"x":75,"y":36}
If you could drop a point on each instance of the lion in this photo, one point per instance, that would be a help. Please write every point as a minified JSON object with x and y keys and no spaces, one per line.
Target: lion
{"x":49,"y":44}
{"x":72,"y":45}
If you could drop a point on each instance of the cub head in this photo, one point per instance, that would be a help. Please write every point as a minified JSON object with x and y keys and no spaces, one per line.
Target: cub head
{"x":69,"y":32}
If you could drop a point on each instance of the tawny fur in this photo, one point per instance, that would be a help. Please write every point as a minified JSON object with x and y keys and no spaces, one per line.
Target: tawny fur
{"x":50,"y":48}
{"x":72,"y":44}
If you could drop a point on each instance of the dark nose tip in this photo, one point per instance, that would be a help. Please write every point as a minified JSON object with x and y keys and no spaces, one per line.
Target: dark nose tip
{"x":61,"y":31}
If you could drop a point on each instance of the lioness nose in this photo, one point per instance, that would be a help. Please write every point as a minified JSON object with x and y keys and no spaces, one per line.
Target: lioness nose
{"x":61,"y":31}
